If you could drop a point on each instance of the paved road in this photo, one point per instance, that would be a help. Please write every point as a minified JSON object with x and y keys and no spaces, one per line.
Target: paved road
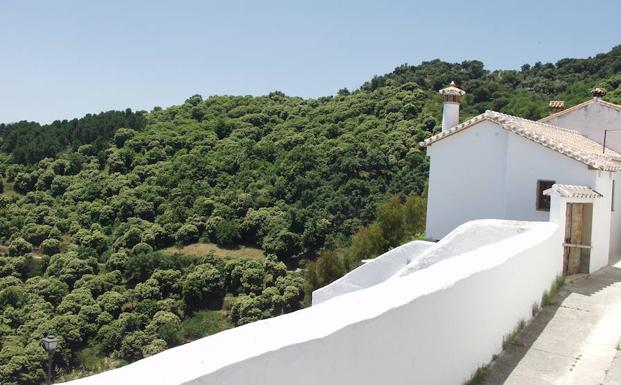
{"x":574,"y":341}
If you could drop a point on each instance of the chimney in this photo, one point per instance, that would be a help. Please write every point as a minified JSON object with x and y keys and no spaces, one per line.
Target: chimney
{"x":556,"y":106}
{"x":450,"y":113}
{"x":598,"y":93}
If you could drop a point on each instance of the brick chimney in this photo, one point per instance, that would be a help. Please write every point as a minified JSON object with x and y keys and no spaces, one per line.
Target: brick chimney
{"x":556,"y":106}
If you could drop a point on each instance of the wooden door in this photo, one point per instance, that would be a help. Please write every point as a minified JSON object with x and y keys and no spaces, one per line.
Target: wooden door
{"x":577,"y":238}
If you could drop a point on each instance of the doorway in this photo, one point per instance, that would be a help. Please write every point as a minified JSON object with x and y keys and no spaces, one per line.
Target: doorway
{"x":578,"y":221}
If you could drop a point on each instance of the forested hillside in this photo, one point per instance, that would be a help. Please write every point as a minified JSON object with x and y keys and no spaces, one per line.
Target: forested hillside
{"x":104,"y":220}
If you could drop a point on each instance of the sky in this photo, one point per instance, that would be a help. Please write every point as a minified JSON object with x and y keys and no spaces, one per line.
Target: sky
{"x":64,"y":58}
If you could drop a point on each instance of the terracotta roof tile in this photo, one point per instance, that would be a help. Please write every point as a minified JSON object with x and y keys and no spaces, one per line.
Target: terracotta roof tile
{"x":567,"y":142}
{"x":452,"y":90}
{"x":573,"y":191}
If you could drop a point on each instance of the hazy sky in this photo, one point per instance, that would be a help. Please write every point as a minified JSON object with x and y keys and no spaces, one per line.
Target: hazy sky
{"x":61,"y":59}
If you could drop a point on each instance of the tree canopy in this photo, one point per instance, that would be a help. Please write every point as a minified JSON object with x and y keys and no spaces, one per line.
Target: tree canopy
{"x":89,"y":208}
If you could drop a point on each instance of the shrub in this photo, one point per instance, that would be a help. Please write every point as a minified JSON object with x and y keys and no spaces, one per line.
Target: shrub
{"x":164,"y":325}
{"x":19,"y":246}
{"x":186,"y":234}
{"x":204,"y":285}
{"x":226,"y":233}
{"x":50,"y":246}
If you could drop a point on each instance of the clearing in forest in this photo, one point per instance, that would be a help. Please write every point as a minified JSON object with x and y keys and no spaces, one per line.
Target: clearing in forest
{"x":198,"y":249}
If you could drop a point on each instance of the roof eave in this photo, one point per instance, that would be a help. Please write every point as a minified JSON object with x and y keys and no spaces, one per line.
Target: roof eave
{"x":454,"y":130}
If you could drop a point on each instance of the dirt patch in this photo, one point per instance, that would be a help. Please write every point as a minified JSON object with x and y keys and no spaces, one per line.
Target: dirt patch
{"x":198,"y":249}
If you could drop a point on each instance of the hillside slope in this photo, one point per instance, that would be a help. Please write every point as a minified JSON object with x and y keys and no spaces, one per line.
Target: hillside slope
{"x":90,"y":205}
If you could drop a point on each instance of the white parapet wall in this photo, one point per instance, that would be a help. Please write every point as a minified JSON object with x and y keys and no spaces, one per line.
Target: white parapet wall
{"x":372,"y":272}
{"x":417,"y":255}
{"x":435,"y":325}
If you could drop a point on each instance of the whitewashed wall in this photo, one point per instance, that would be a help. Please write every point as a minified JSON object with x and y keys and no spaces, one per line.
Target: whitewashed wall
{"x":417,"y":255}
{"x":373,"y":272}
{"x":465,"y":239}
{"x":466,"y":178}
{"x":591,"y":121}
{"x":486,"y":172}
{"x":434,"y":326}
{"x":615,"y":227}
{"x":602,"y":218}
{"x":528,"y":162}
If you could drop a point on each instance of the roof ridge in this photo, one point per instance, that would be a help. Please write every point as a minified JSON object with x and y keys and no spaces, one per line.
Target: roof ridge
{"x":575,"y":146}
{"x":580,"y":105}
{"x":609,"y":104}
{"x":563,"y":112}
{"x":542,"y":123}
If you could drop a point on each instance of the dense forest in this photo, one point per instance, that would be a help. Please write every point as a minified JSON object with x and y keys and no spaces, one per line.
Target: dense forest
{"x":125,"y":233}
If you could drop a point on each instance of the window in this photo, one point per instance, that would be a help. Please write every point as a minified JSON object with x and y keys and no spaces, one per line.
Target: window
{"x":543,"y":201}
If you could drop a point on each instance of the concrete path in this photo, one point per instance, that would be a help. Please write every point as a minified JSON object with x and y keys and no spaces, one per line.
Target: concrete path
{"x":613,"y":376}
{"x":574,"y":342}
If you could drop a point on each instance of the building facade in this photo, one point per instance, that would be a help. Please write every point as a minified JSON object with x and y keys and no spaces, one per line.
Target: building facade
{"x":497,"y":166}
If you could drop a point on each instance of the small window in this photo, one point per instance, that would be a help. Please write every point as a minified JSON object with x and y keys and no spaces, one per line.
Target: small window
{"x":543,"y":201}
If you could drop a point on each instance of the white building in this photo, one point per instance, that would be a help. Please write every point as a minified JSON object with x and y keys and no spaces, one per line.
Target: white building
{"x":501,"y":166}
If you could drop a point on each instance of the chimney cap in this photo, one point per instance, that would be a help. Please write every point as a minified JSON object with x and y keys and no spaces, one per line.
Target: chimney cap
{"x":452,"y":90}
{"x":556,"y":104}
{"x":598,"y":92}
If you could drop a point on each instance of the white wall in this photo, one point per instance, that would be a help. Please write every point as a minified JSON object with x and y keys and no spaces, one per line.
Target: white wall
{"x":615,"y":228}
{"x":591,"y":121}
{"x":528,"y":162}
{"x":434,"y":326}
{"x":466,"y":178}
{"x":486,"y":172}
{"x":602,"y":219}
{"x":417,"y":255}
{"x":373,"y":272}
{"x":464,"y":239}
{"x":450,"y":115}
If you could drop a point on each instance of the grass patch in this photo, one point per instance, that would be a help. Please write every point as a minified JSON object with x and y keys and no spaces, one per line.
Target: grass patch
{"x":202,"y":324}
{"x":511,"y":338}
{"x":199,"y":249}
{"x":479,"y":376}
{"x":91,"y":357}
{"x":547,"y":297}
{"x":91,"y":360}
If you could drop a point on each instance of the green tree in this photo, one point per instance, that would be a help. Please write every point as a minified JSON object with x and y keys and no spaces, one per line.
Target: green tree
{"x":284,"y":245}
{"x":203,"y":285}
{"x":50,"y":289}
{"x":19,"y":246}
{"x":50,"y":246}
{"x":187,"y":234}
{"x":226,"y":233}
{"x":164,"y":325}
